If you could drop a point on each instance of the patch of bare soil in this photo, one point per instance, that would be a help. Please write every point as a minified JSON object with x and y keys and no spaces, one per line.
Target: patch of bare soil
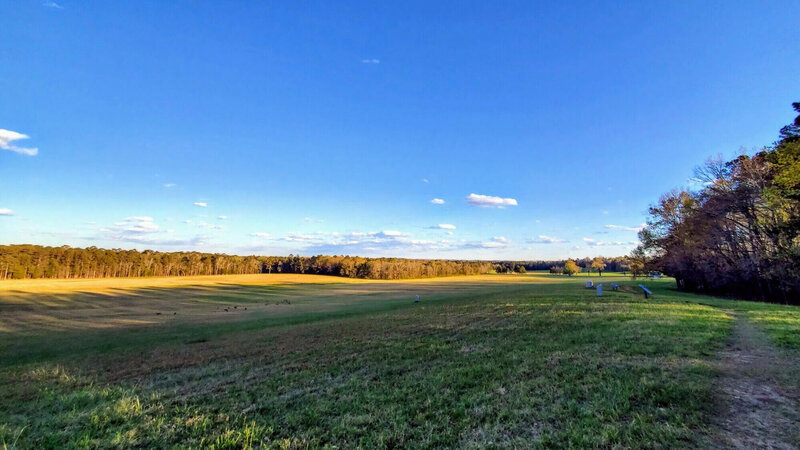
{"x":757,"y":396}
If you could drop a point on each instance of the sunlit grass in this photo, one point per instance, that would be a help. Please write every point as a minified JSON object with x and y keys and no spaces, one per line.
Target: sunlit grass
{"x":515,"y":361}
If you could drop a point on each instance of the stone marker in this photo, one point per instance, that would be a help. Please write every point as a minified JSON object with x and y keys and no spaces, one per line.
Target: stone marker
{"x":599,"y":290}
{"x":416,"y":299}
{"x":589,"y":284}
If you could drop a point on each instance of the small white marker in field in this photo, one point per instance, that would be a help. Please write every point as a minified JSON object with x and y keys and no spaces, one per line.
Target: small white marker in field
{"x":416,"y":299}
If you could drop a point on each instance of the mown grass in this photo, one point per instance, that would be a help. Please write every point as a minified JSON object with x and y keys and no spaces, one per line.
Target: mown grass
{"x":780,"y":322}
{"x":515,"y":364}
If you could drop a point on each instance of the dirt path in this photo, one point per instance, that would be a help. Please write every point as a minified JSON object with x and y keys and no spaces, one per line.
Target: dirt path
{"x":757,"y":397}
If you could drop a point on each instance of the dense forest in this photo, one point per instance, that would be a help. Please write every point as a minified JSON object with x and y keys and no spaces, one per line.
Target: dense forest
{"x":739,"y":234}
{"x":614,"y":264}
{"x":35,"y":261}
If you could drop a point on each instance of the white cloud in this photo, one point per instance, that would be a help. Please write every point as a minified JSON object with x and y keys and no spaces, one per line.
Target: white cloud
{"x":443,"y":226}
{"x":624,"y":228}
{"x":187,"y":221}
{"x":190,"y":243}
{"x":144,"y":230}
{"x":200,"y":204}
{"x":305,"y":237}
{"x":169,"y":185}
{"x":6,"y":212}
{"x":425,"y":180}
{"x":490,"y":201}
{"x":261,"y":234}
{"x":209,"y":226}
{"x":542,"y":239}
{"x":384,"y":243}
{"x":138,"y":224}
{"x":52,"y":4}
{"x":438,"y":201}
{"x":495,"y":243}
{"x":312,"y":220}
{"x":389,"y":233}
{"x":371,"y":61}
{"x":222,"y":217}
{"x":380,"y":243}
{"x":8,"y":136}
{"x":594,"y":243}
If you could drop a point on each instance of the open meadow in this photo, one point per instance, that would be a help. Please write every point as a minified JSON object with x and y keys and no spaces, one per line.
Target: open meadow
{"x":289,"y":361}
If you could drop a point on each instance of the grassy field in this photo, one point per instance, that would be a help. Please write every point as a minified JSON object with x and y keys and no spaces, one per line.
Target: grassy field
{"x":290,"y":361}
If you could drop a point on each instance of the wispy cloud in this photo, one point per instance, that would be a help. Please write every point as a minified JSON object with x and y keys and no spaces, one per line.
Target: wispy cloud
{"x":490,"y":201}
{"x":624,"y":228}
{"x":312,"y":220}
{"x":309,"y":237}
{"x":222,"y":217}
{"x":387,"y":233}
{"x":169,"y":185}
{"x":370,"y":61}
{"x":542,"y":239}
{"x":200,"y":204}
{"x":443,"y":226}
{"x":495,"y":243}
{"x":52,"y":4}
{"x":595,"y":243}
{"x":144,"y":230}
{"x":261,"y":234}
{"x":6,"y":212}
{"x":364,"y":243}
{"x":133,"y":225}
{"x":425,"y":180}
{"x":438,"y":201}
{"x":209,"y":226}
{"x":380,"y":243}
{"x":189,"y":242}
{"x":8,"y":136}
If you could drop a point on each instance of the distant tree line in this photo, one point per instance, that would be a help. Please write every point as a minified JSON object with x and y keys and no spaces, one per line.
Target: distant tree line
{"x":597,"y":264}
{"x":739,"y":234}
{"x":35,"y":261}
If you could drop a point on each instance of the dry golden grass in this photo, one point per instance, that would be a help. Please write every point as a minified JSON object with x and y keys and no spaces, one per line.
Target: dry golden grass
{"x":42,"y":286}
{"x":38,"y":305}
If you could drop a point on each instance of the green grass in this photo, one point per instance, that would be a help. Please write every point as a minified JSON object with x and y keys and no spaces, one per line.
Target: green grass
{"x":780,"y":322}
{"x":514,"y":364}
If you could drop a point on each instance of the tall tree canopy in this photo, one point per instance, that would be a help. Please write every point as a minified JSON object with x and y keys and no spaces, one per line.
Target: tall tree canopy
{"x":740,"y":233}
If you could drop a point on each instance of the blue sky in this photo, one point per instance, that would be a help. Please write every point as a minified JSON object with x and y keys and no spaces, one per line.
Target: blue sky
{"x":330,"y":127}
